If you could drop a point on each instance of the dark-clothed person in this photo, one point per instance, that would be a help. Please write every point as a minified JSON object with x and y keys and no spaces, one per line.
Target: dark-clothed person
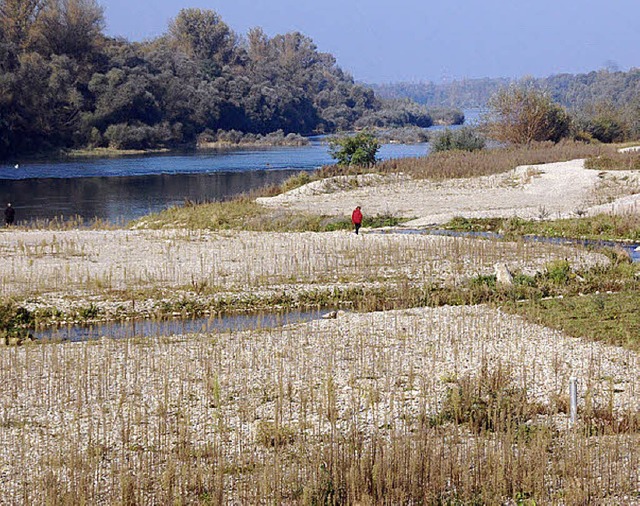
{"x":356,"y":218}
{"x":9,"y":214}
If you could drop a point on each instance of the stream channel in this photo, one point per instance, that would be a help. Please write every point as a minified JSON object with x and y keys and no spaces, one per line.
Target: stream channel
{"x":155,"y":328}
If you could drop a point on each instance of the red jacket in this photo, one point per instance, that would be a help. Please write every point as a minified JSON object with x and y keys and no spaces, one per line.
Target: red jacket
{"x":356,"y":217}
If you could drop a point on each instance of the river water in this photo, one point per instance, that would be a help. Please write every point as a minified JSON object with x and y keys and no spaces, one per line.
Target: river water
{"x":125,"y":188}
{"x":154,"y":328}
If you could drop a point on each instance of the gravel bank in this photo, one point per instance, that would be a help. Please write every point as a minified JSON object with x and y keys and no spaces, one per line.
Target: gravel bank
{"x":132,"y":404}
{"x":533,"y":191}
{"x":120,"y":271}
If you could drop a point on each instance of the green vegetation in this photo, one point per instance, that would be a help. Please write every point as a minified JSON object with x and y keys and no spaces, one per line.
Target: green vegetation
{"x":600,"y":227}
{"x":14,"y":320}
{"x":464,"y":139}
{"x":359,"y":149}
{"x":66,"y":85}
{"x":609,"y":317}
{"x":396,"y":113}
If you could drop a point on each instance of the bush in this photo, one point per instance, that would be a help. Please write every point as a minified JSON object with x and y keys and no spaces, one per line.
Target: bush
{"x":489,"y":402}
{"x":396,"y":113}
{"x":359,"y":149}
{"x":465,"y":139}
{"x":606,"y":129}
{"x":522,"y":114}
{"x":126,"y":136}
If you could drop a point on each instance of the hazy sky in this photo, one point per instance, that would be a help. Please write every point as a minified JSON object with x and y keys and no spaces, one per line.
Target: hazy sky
{"x":424,"y":40}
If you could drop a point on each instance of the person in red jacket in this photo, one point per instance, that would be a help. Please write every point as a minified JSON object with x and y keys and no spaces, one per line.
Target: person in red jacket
{"x":356,"y":218}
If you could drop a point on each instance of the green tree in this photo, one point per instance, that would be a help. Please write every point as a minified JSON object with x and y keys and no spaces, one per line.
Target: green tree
{"x":359,"y":149}
{"x":71,"y":27}
{"x":201,"y":34}
{"x":522,"y":114}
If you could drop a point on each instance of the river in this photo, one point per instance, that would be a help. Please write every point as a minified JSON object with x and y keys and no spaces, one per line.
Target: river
{"x":120,"y":189}
{"x":125,"y":188}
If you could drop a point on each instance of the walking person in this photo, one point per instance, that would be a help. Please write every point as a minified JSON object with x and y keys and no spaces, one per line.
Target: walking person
{"x":356,"y":218}
{"x":9,"y":215}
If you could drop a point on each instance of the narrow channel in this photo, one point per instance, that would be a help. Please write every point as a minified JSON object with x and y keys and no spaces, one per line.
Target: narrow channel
{"x":154,"y":328}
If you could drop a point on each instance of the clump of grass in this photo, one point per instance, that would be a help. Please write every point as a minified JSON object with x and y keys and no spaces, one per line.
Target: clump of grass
{"x":272,"y":435}
{"x":14,"y":320}
{"x":68,"y":223}
{"x":487,"y":402}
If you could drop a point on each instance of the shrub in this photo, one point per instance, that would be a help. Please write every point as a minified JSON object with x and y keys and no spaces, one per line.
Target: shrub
{"x":126,"y":136}
{"x":606,"y":129}
{"x":558,"y":271}
{"x":14,"y":319}
{"x":522,"y":114}
{"x":465,"y":139}
{"x":359,"y":149}
{"x":489,"y":402}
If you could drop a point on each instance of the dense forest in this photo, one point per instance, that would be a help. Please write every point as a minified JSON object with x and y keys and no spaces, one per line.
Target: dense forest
{"x":65,"y":84}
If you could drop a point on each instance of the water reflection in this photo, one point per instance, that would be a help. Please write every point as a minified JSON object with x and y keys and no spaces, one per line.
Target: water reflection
{"x":155,"y":328}
{"x":119,"y":199}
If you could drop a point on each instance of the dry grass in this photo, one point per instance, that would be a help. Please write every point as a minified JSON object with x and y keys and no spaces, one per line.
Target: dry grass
{"x":70,"y":270}
{"x":614,"y":160}
{"x":462,"y":164}
{"x":344,"y":411}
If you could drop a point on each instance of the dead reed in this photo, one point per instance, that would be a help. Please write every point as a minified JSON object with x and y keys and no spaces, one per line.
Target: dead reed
{"x":424,"y":406}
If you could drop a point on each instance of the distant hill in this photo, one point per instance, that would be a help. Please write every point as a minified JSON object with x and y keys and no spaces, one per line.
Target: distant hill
{"x":464,"y":94}
{"x":576,"y":92}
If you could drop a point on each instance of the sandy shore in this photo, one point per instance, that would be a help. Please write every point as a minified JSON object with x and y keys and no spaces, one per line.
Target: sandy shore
{"x":550,"y":190}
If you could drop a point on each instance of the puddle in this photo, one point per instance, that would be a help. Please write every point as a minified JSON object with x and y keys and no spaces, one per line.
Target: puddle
{"x":153,"y":328}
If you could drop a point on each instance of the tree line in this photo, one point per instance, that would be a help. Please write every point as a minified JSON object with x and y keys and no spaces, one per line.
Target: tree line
{"x":65,"y":84}
{"x":604,"y":104}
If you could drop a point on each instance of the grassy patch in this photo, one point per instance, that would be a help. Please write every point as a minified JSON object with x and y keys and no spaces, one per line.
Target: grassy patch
{"x":489,"y":402}
{"x":245,"y":214}
{"x":614,"y":161}
{"x":598,"y":227}
{"x":609,"y":317}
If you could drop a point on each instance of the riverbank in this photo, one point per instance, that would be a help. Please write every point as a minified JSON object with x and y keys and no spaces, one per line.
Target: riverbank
{"x":373,"y":406}
{"x":552,"y":190}
{"x":110,"y":152}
